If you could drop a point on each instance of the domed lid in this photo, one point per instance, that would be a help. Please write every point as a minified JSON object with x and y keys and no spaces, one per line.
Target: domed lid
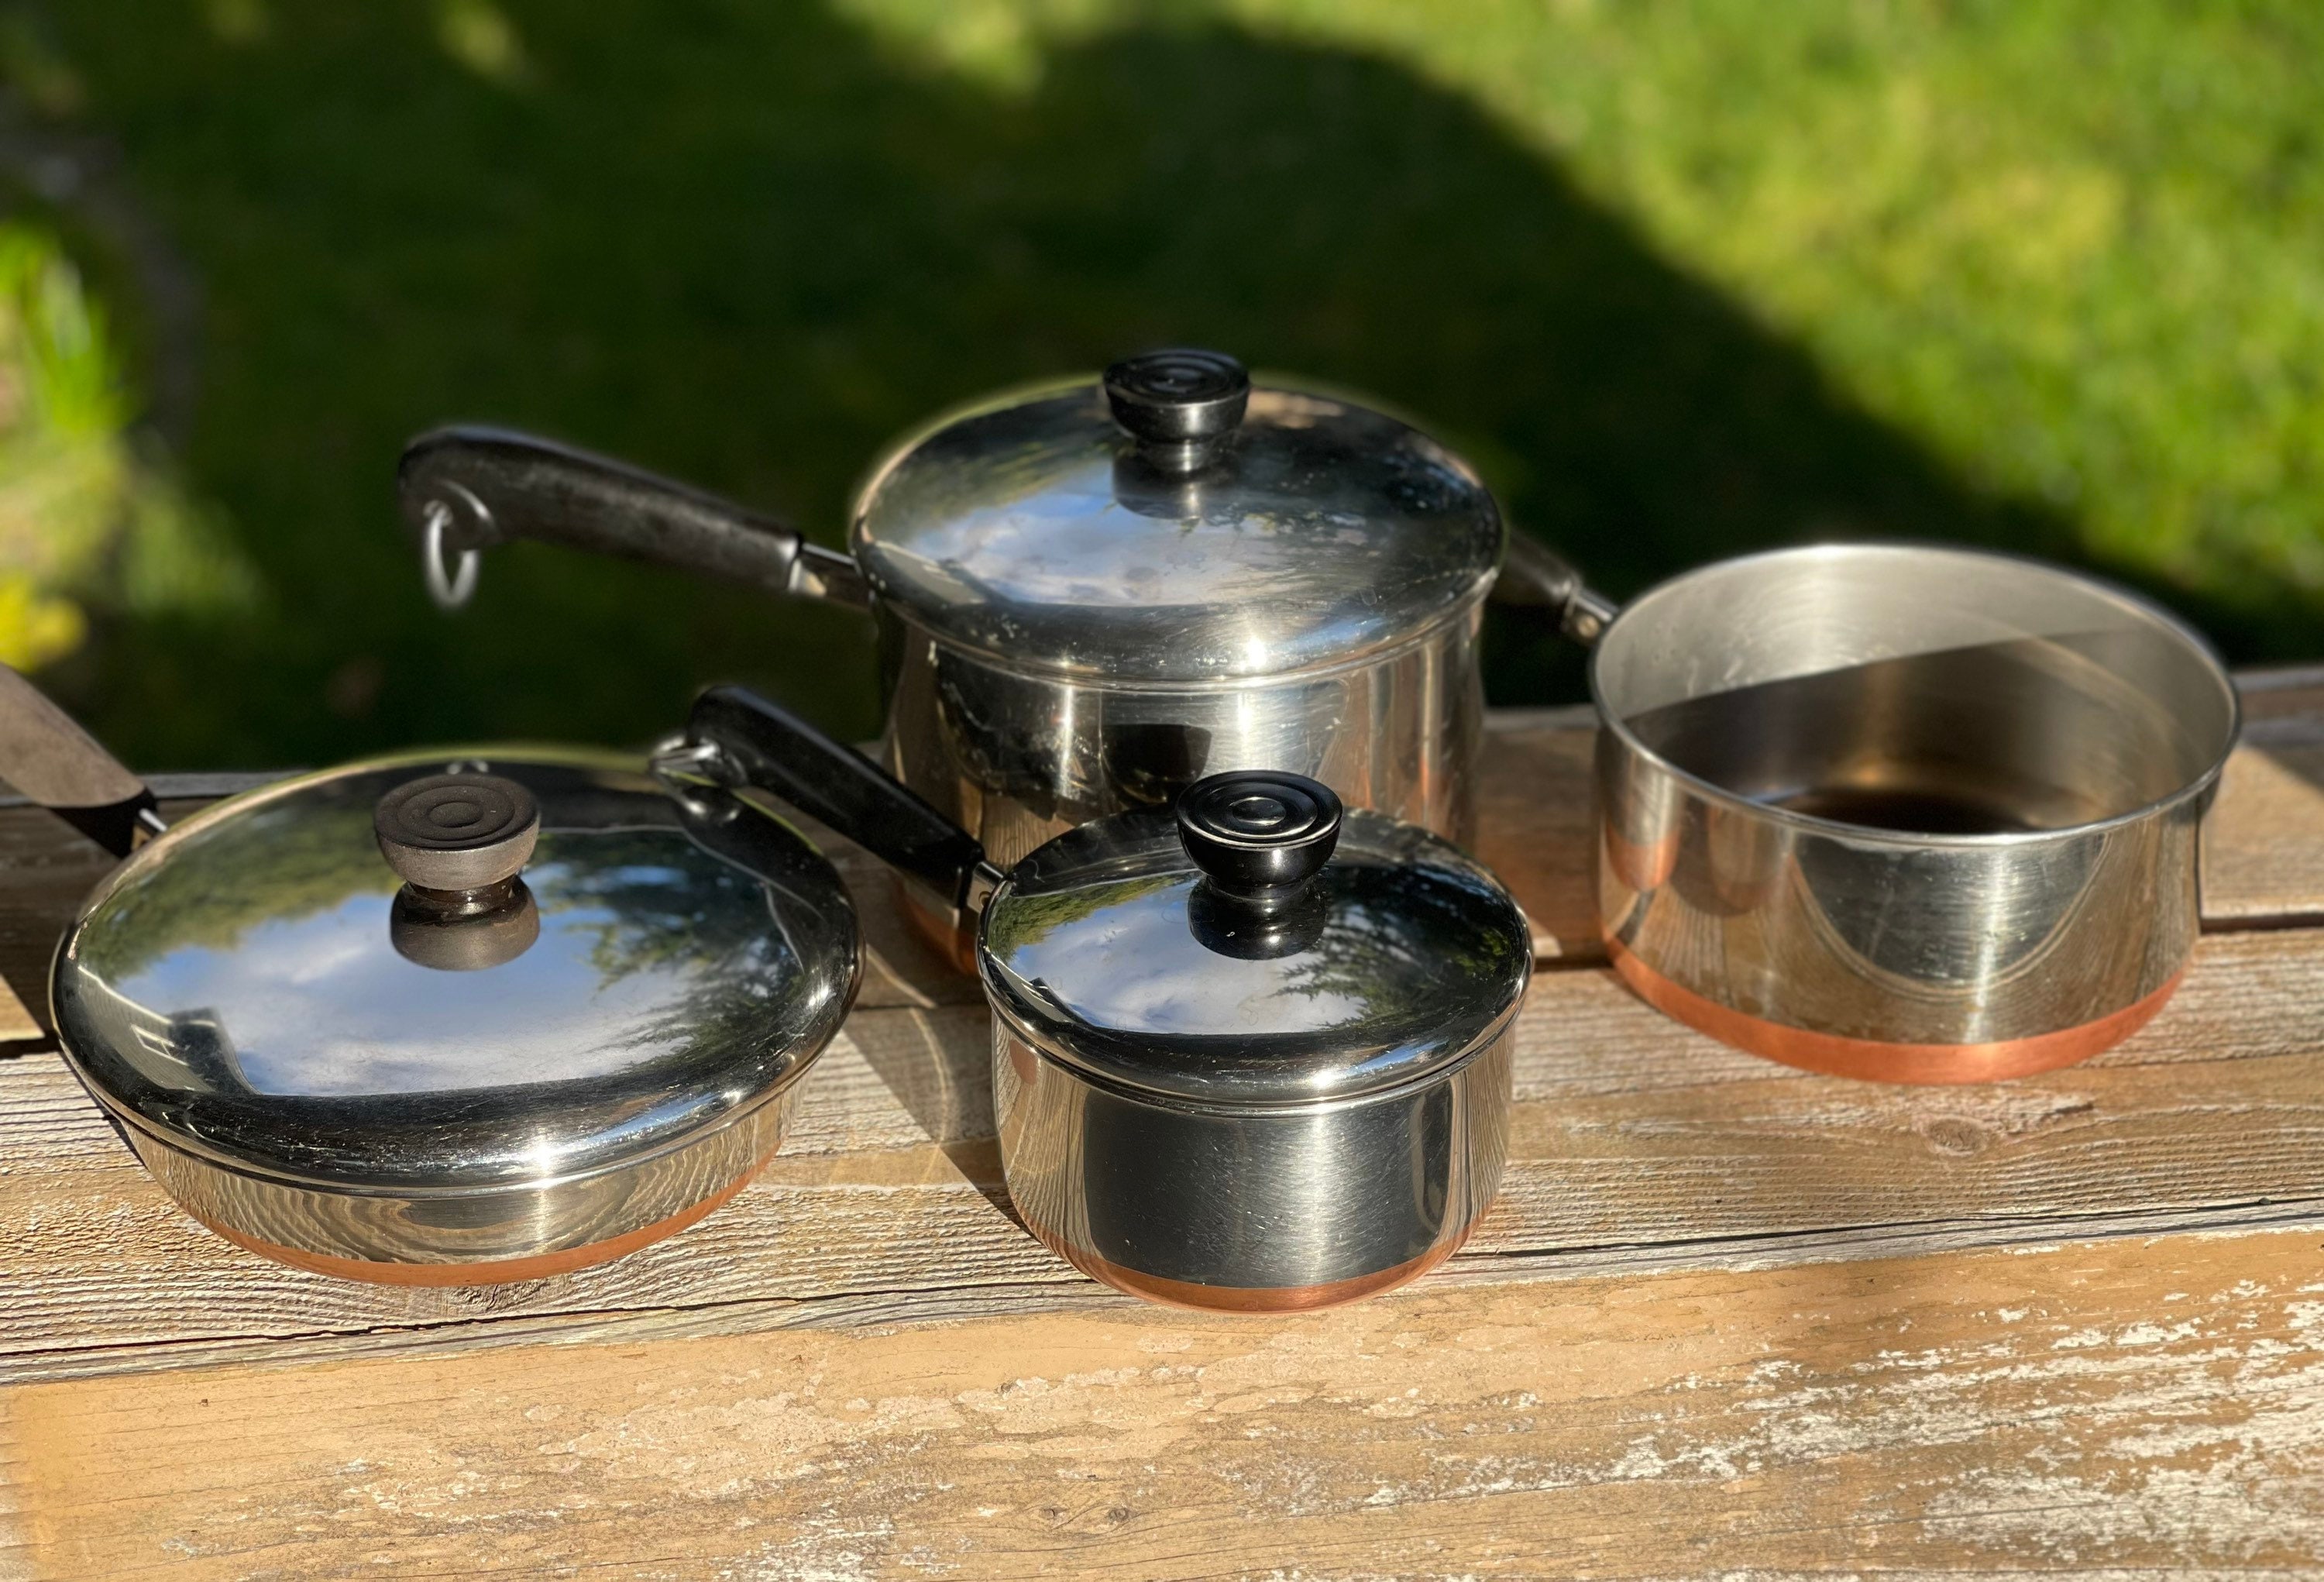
{"x":260,"y":986}
{"x":1256,"y":947}
{"x":1173,"y":521}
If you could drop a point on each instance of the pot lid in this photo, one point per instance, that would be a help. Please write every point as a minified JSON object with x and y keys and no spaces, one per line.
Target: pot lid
{"x":259,"y":988}
{"x":1255,"y":946}
{"x":1172,"y":521}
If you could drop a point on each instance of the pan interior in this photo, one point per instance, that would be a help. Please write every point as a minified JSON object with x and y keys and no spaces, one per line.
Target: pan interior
{"x":1928,"y":691}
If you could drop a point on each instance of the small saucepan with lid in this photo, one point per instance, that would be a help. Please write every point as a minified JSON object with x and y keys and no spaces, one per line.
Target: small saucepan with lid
{"x":1251,"y":1052}
{"x":441,"y":1019}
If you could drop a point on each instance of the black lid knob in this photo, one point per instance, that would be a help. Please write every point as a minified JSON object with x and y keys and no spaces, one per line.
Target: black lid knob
{"x":457,"y":831}
{"x":463,"y":938}
{"x":1259,"y":834}
{"x":1178,"y":404}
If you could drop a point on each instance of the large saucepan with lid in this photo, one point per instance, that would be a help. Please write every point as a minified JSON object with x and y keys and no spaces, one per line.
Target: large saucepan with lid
{"x":441,"y":1018}
{"x":1092,"y":593}
{"x":1251,"y":1052}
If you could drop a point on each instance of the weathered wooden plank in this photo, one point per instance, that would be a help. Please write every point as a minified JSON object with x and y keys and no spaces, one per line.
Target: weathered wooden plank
{"x":2154,"y":1408}
{"x":2263,"y":841}
{"x":1537,"y":812}
{"x":1629,"y":1133}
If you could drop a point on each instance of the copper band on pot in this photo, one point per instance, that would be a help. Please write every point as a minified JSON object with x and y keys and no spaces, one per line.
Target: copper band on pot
{"x":1874,"y":1059}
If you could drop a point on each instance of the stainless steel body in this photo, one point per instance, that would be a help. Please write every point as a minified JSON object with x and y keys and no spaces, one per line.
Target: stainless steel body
{"x":1016,"y":757}
{"x":1245,"y":1209}
{"x":478,"y":1236}
{"x":1250,"y":1052}
{"x":1919,"y":814}
{"x":1091,"y":592}
{"x":322,"y":1075}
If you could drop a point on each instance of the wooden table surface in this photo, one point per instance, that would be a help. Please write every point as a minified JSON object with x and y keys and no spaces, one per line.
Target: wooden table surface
{"x":1727,"y":1318}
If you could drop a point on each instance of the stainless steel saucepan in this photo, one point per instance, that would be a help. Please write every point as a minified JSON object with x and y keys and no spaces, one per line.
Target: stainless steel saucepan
{"x":1918,"y":814}
{"x":1251,"y":1052}
{"x":1093,"y":592}
{"x":441,"y":1019}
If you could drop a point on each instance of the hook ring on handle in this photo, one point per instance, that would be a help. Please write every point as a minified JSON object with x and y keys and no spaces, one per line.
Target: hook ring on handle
{"x":449,"y":591}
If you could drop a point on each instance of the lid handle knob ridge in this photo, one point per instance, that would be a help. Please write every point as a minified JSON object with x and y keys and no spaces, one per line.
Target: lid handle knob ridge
{"x":1180,"y":405}
{"x":1259,"y":835}
{"x":456,"y":832}
{"x":458,"y":842}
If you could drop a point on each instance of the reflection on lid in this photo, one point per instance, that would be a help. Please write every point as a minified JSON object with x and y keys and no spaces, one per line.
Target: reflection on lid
{"x":235,"y":985}
{"x":1412,"y":953}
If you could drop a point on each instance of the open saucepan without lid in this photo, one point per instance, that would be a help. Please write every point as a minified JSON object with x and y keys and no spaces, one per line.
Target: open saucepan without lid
{"x":1918,"y":814}
{"x":1251,"y":1052}
{"x":441,"y":1018}
{"x":1091,"y":592}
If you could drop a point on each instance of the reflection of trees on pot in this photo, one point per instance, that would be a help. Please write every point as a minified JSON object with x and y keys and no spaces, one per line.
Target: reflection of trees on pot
{"x":1030,"y":920}
{"x":1400,"y":939}
{"x":652,"y":899}
{"x":648,"y":895}
{"x":1400,"y":952}
{"x":270,"y":863}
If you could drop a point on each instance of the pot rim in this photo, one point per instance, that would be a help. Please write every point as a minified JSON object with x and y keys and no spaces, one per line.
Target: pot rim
{"x":2196,"y":643}
{"x":1094,"y":677}
{"x":1163,"y":1098}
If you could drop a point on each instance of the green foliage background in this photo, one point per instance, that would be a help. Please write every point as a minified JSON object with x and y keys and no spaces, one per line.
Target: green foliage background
{"x":1685,"y":277}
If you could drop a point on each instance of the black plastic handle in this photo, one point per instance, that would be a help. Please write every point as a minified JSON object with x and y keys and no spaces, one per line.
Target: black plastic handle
{"x":466,"y":488}
{"x":767,"y":746}
{"x":1534,"y":577}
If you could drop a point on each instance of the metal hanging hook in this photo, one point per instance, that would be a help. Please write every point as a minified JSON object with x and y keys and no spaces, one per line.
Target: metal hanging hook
{"x":452,"y":591}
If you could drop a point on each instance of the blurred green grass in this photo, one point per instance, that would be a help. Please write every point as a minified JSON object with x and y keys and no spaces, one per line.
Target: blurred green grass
{"x":1684,"y":278}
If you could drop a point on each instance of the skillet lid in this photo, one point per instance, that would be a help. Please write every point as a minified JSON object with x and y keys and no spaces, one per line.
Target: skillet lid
{"x":1173,"y":521}
{"x":1255,"y":946}
{"x":259,"y":988}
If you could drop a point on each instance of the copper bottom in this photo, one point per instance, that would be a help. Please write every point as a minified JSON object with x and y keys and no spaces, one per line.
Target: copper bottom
{"x":1877,"y":1060}
{"x":955,"y":945}
{"x":1241,"y":1298}
{"x":499,"y":1271}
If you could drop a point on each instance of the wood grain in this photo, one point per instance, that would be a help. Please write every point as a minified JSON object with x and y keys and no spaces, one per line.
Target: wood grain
{"x":2154,"y":1408}
{"x":1727,"y":1316}
{"x":1628,"y":1133}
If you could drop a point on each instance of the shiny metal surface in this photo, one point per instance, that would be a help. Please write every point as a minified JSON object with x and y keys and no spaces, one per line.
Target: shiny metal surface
{"x":1250,"y":1210}
{"x":1105,"y":948}
{"x":1016,"y":758}
{"x":408,"y":1233}
{"x":1089,"y":591}
{"x":235,"y":994}
{"x":1905,"y":797}
{"x":1030,"y":530}
{"x":1282,"y":1122}
{"x":1239,"y":1010}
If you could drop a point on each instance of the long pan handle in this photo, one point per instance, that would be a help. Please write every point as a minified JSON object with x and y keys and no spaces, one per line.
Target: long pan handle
{"x":45,"y":754}
{"x":736,"y":738}
{"x":466,"y":488}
